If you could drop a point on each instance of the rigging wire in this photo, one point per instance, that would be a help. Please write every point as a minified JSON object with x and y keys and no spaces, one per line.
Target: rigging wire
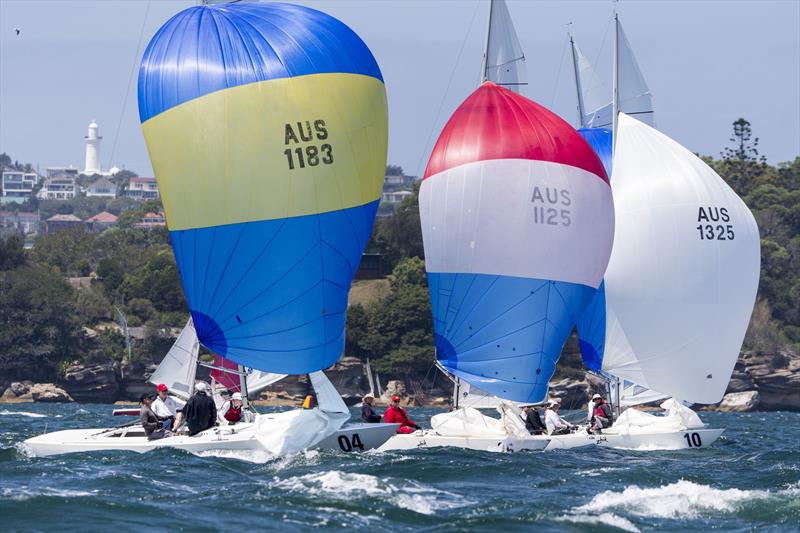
{"x":128,"y":88}
{"x":558,"y":78}
{"x":447,"y":88}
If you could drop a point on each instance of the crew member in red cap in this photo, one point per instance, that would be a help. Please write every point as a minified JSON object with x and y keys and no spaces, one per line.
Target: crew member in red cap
{"x":396,"y":414}
{"x":166,"y":407}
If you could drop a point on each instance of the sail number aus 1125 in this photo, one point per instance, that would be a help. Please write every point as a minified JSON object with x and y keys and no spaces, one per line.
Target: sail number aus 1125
{"x":714,"y":232}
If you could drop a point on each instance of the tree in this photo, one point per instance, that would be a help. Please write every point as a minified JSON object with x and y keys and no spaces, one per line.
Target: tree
{"x":742,"y":158}
{"x":394,"y":170}
{"x":400,"y":236}
{"x":12,"y":254}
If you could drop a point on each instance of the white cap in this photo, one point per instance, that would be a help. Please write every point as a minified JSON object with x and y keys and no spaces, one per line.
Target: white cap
{"x":236,"y":396}
{"x":200,"y":386}
{"x":369,"y":395}
{"x":597,"y":397}
{"x":555,"y":401}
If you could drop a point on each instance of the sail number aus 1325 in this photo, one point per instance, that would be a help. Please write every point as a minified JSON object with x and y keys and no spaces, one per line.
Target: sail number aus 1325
{"x":710,"y":231}
{"x":310,"y":155}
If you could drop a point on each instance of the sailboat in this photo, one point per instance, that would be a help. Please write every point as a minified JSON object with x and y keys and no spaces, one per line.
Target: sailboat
{"x":670,"y":318}
{"x":266,"y":126}
{"x":517,"y":222}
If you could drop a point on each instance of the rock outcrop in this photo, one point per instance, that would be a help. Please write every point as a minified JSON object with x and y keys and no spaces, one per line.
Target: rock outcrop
{"x":98,"y":383}
{"x":775,"y":377}
{"x":49,"y":392}
{"x":739,"y":402}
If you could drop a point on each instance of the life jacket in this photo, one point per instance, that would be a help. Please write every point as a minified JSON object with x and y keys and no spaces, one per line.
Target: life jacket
{"x":234,"y":414}
{"x":599,"y":411}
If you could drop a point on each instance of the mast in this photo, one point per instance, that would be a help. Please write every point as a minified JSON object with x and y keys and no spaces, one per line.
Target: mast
{"x":615,"y":101}
{"x":243,"y":381}
{"x":485,"y":69}
{"x":578,"y":88}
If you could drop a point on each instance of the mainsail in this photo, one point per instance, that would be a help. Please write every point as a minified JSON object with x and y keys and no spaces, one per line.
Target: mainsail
{"x":635,"y":98}
{"x":266,"y":125}
{"x":178,"y":368}
{"x":683,"y":273}
{"x":517,"y":221}
{"x":503,"y":59}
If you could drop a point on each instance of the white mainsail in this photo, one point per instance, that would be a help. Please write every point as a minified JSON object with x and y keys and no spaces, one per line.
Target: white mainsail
{"x":503,"y":59}
{"x":635,"y":98}
{"x":684,"y":270}
{"x":178,"y":368}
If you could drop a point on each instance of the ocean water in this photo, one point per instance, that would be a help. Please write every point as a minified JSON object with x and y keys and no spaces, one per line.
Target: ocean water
{"x":748,"y":480}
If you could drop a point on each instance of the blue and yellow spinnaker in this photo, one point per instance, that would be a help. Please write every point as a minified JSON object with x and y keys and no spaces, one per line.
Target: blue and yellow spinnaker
{"x":267,"y":130}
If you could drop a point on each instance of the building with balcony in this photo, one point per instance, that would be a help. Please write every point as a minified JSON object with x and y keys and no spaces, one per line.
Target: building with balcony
{"x":102,"y":188}
{"x":17,"y":186}
{"x":58,"y":188}
{"x":152,"y":220}
{"x":142,"y":189}
{"x":54,"y":172}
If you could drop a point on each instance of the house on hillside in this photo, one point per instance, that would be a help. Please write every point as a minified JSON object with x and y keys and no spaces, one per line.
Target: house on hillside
{"x":396,"y":188}
{"x":54,"y":172}
{"x":61,"y":222}
{"x":17,"y":186}
{"x":101,"y":221}
{"x":58,"y":188}
{"x":142,"y":189}
{"x":102,"y":188}
{"x":152,"y":220}
{"x":26,"y":225}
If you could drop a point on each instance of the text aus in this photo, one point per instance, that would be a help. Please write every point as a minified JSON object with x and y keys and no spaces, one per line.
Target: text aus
{"x":300,"y":153}
{"x":550,"y":206}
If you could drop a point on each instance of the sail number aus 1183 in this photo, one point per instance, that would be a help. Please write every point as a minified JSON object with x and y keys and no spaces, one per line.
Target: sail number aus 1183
{"x":309,"y":155}
{"x":714,"y":232}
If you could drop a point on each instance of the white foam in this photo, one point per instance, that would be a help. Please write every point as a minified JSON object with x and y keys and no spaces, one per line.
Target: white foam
{"x":25,"y":493}
{"x":607,"y":519}
{"x":262,"y":456}
{"x":345,"y":486}
{"x":683,"y":499}
{"x":6,"y":412}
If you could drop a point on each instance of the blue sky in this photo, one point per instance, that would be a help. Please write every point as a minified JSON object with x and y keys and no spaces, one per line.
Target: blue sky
{"x":707,"y":63}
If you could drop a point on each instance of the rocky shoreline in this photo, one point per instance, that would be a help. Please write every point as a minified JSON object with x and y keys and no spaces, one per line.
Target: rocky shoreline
{"x":760,"y":382}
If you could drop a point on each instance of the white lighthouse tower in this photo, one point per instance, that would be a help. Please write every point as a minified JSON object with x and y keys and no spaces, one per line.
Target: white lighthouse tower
{"x":92,"y":150}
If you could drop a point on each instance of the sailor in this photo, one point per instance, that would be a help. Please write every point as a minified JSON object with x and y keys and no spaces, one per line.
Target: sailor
{"x":199,"y":413}
{"x":368,"y":414}
{"x":533,"y":422}
{"x":554,"y":423}
{"x":166,"y":407}
{"x":233,"y":410}
{"x":149,"y":420}
{"x":396,"y":414}
{"x":602,"y":417}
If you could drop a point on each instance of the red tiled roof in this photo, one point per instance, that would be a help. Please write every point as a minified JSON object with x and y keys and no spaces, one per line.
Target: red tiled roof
{"x":64,"y":218}
{"x":105,"y":216}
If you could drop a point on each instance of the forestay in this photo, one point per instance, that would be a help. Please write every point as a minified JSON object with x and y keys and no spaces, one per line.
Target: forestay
{"x":178,"y":368}
{"x":504,"y":61}
{"x":683,"y":273}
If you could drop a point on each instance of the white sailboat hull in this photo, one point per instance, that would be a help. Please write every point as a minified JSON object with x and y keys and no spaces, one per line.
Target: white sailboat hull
{"x":429,"y":439}
{"x":241,"y":437}
{"x":651,"y":441}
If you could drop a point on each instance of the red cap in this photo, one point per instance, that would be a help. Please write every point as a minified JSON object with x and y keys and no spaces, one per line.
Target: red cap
{"x":161,"y":387}
{"x":395,"y":398}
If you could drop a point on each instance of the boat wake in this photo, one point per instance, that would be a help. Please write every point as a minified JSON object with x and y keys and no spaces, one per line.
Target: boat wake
{"x":683,"y":499}
{"x":6,"y":412}
{"x":604,"y":519}
{"x":408,"y":495}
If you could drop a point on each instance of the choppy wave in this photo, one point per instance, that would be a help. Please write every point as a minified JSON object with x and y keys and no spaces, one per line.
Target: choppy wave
{"x":6,"y":412}
{"x":26,"y":493}
{"x":683,"y":499}
{"x":347,"y":486}
{"x":605,"y":519}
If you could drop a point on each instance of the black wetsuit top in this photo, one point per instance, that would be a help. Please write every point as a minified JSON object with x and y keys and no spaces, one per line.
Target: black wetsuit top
{"x":533,"y":423}
{"x":368,"y":414}
{"x":200,"y":413}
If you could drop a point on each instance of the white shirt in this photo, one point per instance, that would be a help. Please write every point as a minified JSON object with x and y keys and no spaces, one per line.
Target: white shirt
{"x":167,"y":408}
{"x":553,"y":421}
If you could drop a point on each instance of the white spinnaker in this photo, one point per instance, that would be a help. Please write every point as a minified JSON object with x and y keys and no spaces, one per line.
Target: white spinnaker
{"x":476,"y":398}
{"x":504,"y":62}
{"x":678,"y":305}
{"x":635,"y":98}
{"x":178,"y":368}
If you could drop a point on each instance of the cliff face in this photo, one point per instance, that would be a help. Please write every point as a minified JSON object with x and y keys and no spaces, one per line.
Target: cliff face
{"x":775,"y":377}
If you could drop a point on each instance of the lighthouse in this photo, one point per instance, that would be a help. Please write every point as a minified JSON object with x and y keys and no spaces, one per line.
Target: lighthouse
{"x":92,"y":150}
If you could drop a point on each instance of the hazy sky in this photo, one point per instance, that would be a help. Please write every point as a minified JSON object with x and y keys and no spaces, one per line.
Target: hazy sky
{"x":706,"y":62}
